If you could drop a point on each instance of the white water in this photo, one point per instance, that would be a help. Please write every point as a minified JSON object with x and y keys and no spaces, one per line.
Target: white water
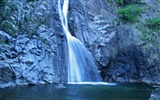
{"x":94,"y":83}
{"x":81,"y":65}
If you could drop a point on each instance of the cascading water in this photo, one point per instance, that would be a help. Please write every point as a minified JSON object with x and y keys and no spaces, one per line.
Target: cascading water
{"x":81,"y":67}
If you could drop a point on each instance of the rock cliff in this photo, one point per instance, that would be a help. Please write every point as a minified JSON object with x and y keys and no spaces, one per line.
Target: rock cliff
{"x":33,"y":47}
{"x":118,"y":48}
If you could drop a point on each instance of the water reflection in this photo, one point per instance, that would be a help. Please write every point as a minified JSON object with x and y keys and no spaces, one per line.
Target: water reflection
{"x":77,"y":92}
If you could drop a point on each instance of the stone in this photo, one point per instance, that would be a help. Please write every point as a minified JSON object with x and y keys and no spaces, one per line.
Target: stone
{"x":4,"y":37}
{"x":36,"y":56}
{"x":7,"y":75}
{"x":37,"y":52}
{"x":155,"y":94}
{"x":116,"y":46}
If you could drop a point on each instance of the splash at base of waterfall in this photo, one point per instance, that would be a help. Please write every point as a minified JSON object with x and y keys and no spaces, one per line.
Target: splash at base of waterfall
{"x":93,"y":83}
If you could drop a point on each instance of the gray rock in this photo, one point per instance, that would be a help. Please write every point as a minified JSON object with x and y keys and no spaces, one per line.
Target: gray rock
{"x":155,"y":95}
{"x":37,"y":52}
{"x":4,"y":37}
{"x":38,"y":55}
{"x":117,"y":47}
{"x":7,"y":75}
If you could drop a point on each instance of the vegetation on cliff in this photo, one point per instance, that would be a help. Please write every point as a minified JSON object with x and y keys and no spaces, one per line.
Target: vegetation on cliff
{"x":143,"y":15}
{"x":23,"y":17}
{"x":130,"y":13}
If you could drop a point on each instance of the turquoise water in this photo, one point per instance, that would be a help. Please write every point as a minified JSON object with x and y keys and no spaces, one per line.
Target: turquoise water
{"x":78,"y":92}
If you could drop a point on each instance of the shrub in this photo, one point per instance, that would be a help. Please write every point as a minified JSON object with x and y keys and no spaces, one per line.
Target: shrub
{"x":153,"y":23}
{"x":3,"y":2}
{"x":148,"y":37}
{"x":2,"y":5}
{"x":130,"y":13}
{"x":120,"y":2}
{"x":126,"y":2}
{"x":9,"y":28}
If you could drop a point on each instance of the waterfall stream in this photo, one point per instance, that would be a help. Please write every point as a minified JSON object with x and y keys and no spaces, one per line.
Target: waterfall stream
{"x":81,"y":65}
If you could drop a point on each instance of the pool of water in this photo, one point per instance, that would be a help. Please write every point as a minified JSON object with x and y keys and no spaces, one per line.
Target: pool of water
{"x":78,"y":92}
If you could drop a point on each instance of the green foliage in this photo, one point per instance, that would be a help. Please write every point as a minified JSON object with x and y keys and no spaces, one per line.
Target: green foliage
{"x":149,"y":36}
{"x":6,"y":18}
{"x":120,"y":2}
{"x":130,"y":13}
{"x":158,"y":1}
{"x":151,"y":31}
{"x":3,"y":2}
{"x":2,"y":6}
{"x":124,"y":2}
{"x":153,"y":23}
{"x":8,"y":27}
{"x":17,"y":18}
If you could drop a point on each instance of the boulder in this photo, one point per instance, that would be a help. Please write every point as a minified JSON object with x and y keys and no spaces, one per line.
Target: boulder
{"x":155,"y":95}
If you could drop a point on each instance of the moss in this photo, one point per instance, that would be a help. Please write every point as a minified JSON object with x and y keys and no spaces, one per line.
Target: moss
{"x":124,"y":2}
{"x":130,"y":13}
{"x":2,"y":9}
{"x":120,"y":2}
{"x":8,"y":28}
{"x":153,"y":23}
{"x":148,"y":36}
{"x":3,"y":3}
{"x":6,"y":25}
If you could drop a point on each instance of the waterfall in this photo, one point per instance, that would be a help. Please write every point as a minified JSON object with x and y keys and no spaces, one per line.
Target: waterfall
{"x":81,"y":65}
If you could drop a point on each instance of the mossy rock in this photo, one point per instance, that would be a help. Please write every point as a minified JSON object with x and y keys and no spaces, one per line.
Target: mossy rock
{"x":124,"y":2}
{"x":127,"y":2}
{"x":153,"y":23}
{"x":3,"y":3}
{"x":9,"y":28}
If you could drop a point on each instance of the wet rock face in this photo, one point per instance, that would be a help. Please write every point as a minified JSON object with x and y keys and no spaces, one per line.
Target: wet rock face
{"x":131,"y":65}
{"x":123,"y":68}
{"x":78,"y":22}
{"x":6,"y":75}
